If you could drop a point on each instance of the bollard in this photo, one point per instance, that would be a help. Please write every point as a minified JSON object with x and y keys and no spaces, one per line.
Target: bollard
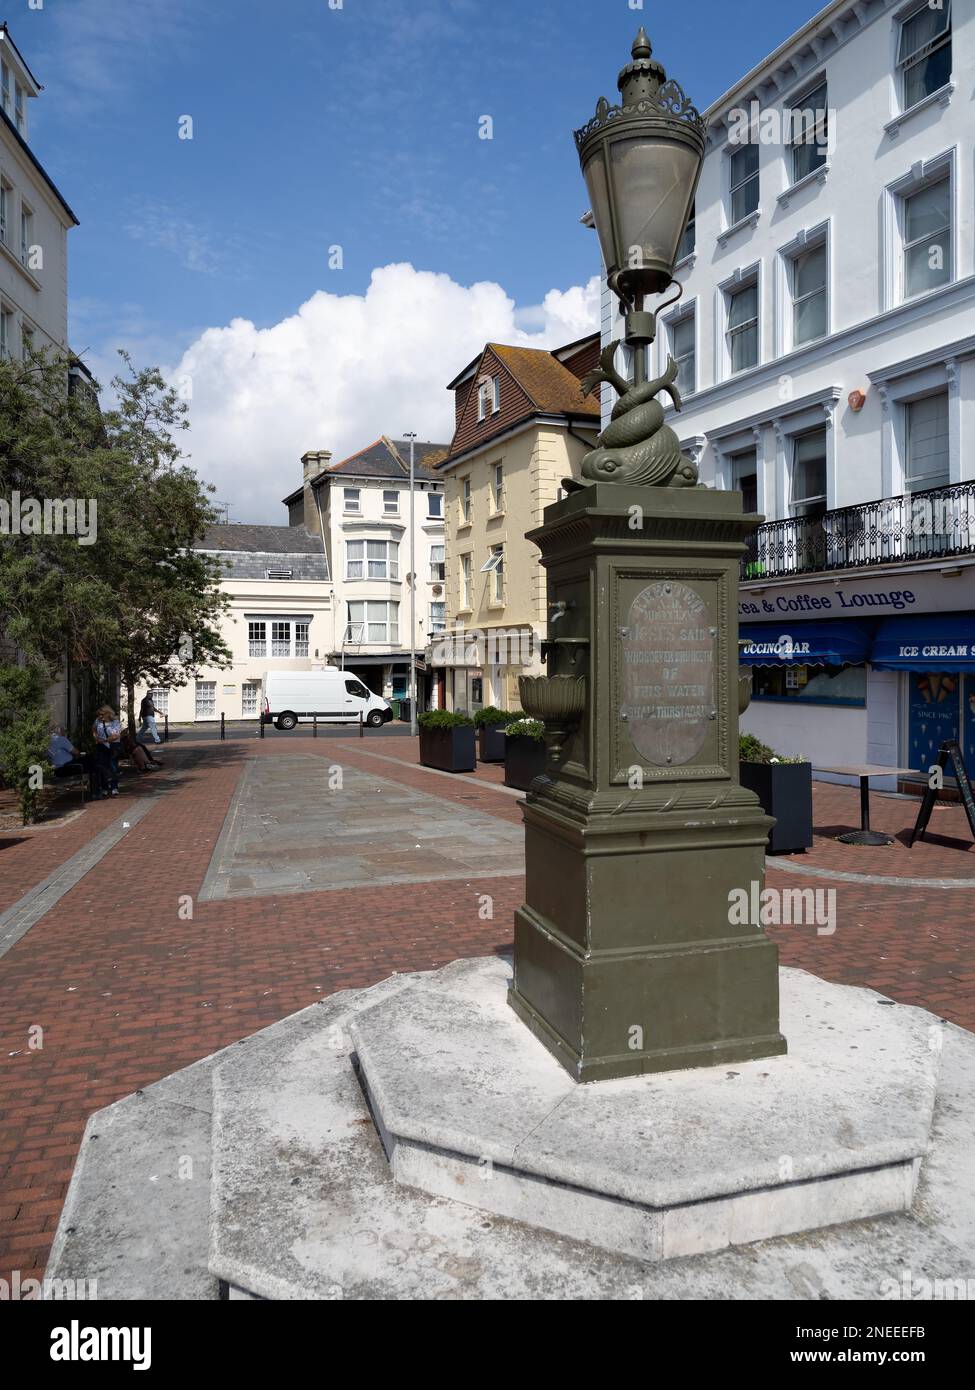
{"x":262,"y":725}
{"x":361,"y":725}
{"x":223,"y":731}
{"x":166,"y":729}
{"x":314,"y":726}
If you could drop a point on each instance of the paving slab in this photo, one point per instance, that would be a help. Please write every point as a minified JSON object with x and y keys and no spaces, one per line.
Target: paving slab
{"x":287,"y":831}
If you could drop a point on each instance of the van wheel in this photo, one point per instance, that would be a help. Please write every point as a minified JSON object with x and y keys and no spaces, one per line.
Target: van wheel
{"x":375,"y":719}
{"x":287,"y":721}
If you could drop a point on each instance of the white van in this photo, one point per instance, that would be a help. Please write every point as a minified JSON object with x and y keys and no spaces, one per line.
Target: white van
{"x":336,"y":697}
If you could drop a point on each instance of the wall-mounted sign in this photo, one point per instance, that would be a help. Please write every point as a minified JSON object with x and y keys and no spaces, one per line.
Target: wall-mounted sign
{"x":855,"y":597}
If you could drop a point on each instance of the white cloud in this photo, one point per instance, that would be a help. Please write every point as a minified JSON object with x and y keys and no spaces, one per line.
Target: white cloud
{"x":345,"y":369}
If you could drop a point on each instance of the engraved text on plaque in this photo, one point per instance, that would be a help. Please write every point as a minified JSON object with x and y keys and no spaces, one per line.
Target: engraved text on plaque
{"x":668,"y":673}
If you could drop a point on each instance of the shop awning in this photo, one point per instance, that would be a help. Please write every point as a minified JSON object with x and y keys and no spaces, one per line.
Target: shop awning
{"x":936,"y":642}
{"x":805,"y":644}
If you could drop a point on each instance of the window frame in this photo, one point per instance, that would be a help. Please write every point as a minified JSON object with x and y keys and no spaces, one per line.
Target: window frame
{"x":497,"y":487}
{"x":796,"y":146}
{"x":908,"y":246}
{"x":388,"y":508}
{"x":735,"y":219}
{"x":257,"y":645}
{"x":466,"y":582}
{"x":438,"y":568}
{"x":907,"y":66}
{"x":911,"y":484}
{"x":795,"y":502}
{"x":352,"y":508}
{"x":731,"y":290}
{"x":210,"y":706}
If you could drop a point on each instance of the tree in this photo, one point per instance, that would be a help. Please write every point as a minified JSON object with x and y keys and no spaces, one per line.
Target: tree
{"x":123,"y":590}
{"x":24,"y":736}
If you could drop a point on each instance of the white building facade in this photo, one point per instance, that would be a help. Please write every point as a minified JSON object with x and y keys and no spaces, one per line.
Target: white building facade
{"x":362,"y":505}
{"x":279,"y":618}
{"x":826,"y":344}
{"x":34,"y":223}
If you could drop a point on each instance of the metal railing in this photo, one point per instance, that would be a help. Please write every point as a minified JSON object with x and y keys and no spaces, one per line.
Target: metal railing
{"x":916,"y":526}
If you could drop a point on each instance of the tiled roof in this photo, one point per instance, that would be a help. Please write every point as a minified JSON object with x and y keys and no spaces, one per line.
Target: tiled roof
{"x":390,"y":458}
{"x":552,"y":387}
{"x":266,"y":540}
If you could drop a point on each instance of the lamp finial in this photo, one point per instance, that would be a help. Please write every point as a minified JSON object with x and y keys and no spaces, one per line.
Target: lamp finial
{"x":641,"y":45}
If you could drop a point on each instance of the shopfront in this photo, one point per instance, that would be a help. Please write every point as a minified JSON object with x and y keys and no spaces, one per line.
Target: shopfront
{"x":860,"y":669}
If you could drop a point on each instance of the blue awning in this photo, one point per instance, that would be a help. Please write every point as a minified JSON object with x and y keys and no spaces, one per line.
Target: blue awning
{"x":936,"y":642}
{"x":805,"y":644}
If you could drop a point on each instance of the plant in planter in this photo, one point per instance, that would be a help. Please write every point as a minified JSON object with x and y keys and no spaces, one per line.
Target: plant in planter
{"x":446,"y":740}
{"x":490,"y":723}
{"x":783,"y":785}
{"x":524,"y":753}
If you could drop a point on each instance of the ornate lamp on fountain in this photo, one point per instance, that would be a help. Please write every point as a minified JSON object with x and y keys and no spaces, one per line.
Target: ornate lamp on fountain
{"x":625,"y":958}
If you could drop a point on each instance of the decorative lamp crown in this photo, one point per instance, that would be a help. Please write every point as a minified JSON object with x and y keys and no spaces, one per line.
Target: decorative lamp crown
{"x":642,"y":161}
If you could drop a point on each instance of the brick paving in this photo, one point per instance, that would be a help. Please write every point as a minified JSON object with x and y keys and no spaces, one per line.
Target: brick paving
{"x":127,"y":989}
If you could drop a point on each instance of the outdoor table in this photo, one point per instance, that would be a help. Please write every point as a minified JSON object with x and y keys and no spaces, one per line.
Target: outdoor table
{"x":866,"y":836}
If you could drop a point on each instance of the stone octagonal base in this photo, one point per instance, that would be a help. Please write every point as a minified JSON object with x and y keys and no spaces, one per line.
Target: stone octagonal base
{"x":470,"y":1106}
{"x":258,"y":1172}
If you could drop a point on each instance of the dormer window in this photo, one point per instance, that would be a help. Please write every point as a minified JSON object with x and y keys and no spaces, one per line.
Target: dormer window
{"x":488,"y":398}
{"x":20,"y":114}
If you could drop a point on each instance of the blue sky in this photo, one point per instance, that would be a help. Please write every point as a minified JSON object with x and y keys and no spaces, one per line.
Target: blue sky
{"x":355,"y":126}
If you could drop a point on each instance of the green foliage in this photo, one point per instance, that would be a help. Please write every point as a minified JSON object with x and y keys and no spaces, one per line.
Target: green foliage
{"x":138,"y":599}
{"x":752,"y":750}
{"x":526,"y":728}
{"x":443,"y":719}
{"x":24,"y":736}
{"x":490,"y":715}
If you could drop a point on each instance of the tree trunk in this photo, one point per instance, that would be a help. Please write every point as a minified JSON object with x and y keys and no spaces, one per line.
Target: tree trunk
{"x":130,"y":700}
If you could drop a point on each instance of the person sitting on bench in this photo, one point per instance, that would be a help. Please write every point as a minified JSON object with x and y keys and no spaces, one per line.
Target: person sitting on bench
{"x":67,"y":761}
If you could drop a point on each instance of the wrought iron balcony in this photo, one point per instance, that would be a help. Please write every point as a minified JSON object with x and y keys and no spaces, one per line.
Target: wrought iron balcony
{"x":916,"y":526}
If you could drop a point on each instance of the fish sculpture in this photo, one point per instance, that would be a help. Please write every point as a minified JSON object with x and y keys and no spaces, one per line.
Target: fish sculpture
{"x":636,"y":448}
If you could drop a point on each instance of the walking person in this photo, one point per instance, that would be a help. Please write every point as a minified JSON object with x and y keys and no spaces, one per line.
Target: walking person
{"x":107,"y":731}
{"x":147,"y":718}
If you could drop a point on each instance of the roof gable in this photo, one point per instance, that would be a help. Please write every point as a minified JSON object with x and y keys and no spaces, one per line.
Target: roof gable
{"x":532,"y":382}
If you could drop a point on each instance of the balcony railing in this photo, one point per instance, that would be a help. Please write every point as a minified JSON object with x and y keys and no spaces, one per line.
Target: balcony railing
{"x":928,"y":525}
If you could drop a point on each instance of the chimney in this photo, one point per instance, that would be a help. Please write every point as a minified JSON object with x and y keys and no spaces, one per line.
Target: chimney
{"x":312,"y":463}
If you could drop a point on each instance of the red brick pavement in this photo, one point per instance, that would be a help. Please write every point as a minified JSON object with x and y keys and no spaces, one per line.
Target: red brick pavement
{"x":127,"y":992}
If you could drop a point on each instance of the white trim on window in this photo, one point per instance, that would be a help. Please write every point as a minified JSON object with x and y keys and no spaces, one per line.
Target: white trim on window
{"x":809,"y":239}
{"x":922,"y":174}
{"x":743,"y":279}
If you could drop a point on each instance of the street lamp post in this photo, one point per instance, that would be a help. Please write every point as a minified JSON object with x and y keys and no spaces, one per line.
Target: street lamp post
{"x":411,"y":436}
{"x":638,"y":835}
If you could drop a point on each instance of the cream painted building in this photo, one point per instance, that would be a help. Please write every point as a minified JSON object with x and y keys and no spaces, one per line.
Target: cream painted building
{"x":361,"y":506}
{"x":34,"y":222}
{"x":280,"y":618}
{"x":522,"y":425}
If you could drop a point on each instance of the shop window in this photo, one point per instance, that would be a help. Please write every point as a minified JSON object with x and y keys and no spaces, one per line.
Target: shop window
{"x":831,"y":685}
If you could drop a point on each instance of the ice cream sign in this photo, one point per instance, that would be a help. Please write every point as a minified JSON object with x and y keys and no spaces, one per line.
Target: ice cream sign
{"x":960,"y":649}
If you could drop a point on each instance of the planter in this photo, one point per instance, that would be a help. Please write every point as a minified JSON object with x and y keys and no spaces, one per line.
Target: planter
{"x":524,"y":760}
{"x":449,"y":750}
{"x":785,"y":792}
{"x":490,"y":743}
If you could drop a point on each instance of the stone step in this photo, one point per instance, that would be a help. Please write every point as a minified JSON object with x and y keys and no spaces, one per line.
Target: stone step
{"x":302,"y":1202}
